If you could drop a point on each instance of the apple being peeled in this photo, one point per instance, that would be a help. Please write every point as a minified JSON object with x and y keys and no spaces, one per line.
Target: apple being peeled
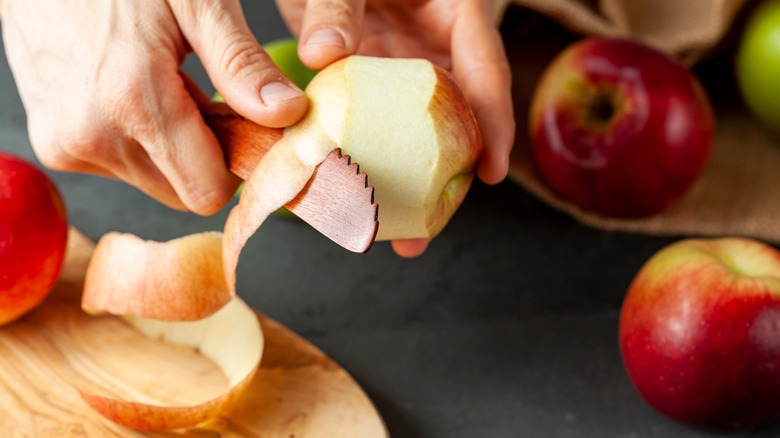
{"x":700,"y":332}
{"x":408,"y":126}
{"x":619,"y":129}
{"x":758,"y":63}
{"x":33,"y":236}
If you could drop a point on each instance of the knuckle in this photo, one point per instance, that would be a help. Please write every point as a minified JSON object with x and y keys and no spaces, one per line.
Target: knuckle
{"x":80,"y":140}
{"x":52,"y":148}
{"x":130,"y":113}
{"x":242,"y":54}
{"x":126,"y":103}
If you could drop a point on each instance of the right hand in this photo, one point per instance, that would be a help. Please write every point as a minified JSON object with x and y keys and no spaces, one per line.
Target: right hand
{"x":101,"y":85}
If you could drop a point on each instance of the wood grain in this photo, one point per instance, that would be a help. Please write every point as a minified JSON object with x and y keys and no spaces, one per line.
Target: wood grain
{"x":337,"y":201}
{"x":298,"y":390}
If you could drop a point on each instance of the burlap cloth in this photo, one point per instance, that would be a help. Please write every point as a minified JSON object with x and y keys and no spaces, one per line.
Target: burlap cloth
{"x":738,"y":194}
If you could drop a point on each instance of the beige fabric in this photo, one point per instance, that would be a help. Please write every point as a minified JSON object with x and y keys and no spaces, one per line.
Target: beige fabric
{"x":739,"y":192}
{"x":685,"y":28}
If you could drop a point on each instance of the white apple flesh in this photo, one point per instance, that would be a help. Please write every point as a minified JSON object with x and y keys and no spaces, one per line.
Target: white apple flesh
{"x":404,"y":121}
{"x":408,"y":126}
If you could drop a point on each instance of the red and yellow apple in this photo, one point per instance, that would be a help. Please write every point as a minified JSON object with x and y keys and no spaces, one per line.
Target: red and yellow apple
{"x":619,"y":128}
{"x":33,"y":236}
{"x":404,"y":121}
{"x":408,"y":126}
{"x":700,"y":332}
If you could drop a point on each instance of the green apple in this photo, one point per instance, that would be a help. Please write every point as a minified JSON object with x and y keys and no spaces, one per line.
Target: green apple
{"x":758,"y":64}
{"x":284,"y":52}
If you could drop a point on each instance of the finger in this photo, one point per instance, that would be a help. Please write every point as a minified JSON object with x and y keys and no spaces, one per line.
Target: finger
{"x":331,"y":30}
{"x":205,"y":103}
{"x":115,"y":156}
{"x":52,"y":149}
{"x":482,"y":69}
{"x":121,"y":159}
{"x":410,"y":248}
{"x":136,"y":168}
{"x":66,"y":163}
{"x":182,"y":146}
{"x":292,"y":12}
{"x":62,"y":161}
{"x":240,"y":69}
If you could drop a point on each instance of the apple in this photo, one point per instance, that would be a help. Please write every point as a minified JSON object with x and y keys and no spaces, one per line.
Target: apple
{"x":619,"y":128}
{"x":405,"y":123}
{"x":700,"y":332}
{"x":33,"y":236}
{"x":408,"y":126}
{"x":758,"y":63}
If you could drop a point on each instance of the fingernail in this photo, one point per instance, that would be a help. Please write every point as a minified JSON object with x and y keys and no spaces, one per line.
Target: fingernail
{"x":277,"y":92}
{"x":326,"y":37}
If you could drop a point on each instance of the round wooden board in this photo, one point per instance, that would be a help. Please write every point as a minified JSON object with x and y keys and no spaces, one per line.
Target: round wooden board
{"x":297,"y":392}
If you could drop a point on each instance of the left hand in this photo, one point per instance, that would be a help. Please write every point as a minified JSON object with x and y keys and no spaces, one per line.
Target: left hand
{"x":458,"y":35}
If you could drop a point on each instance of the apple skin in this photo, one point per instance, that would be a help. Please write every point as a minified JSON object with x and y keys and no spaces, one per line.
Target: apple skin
{"x":619,"y":128}
{"x":408,"y":126}
{"x":33,"y":236}
{"x":758,"y":64}
{"x":700,"y":332}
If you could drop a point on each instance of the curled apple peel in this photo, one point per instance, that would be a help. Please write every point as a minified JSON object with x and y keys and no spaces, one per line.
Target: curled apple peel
{"x":174,"y":292}
{"x":231,"y":338}
{"x":408,"y":125}
{"x":178,"y":280}
{"x":404,"y":121}
{"x":279,"y":177}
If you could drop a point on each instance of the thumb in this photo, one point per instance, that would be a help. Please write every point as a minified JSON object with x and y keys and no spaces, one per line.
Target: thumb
{"x":238,"y":67}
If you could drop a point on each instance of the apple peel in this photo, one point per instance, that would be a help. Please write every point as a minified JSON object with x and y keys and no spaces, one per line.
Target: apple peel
{"x":178,"y":280}
{"x":231,"y":338}
{"x":279,"y":177}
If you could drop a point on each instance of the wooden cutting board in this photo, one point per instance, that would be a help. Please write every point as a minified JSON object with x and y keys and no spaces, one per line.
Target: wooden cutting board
{"x":298,"y":391}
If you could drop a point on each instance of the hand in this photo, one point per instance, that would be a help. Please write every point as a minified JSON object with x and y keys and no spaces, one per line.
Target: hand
{"x":458,"y":35}
{"x":101,"y":85}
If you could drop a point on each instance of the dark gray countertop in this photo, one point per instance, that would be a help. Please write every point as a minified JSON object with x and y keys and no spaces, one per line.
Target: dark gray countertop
{"x":506,"y":327}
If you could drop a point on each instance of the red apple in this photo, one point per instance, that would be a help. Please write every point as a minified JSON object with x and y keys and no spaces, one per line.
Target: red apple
{"x":33,"y":236}
{"x":700,"y":332}
{"x":619,"y":128}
